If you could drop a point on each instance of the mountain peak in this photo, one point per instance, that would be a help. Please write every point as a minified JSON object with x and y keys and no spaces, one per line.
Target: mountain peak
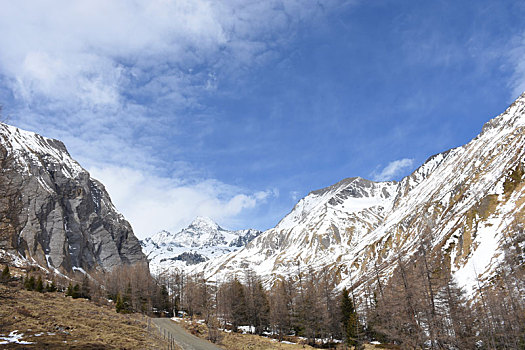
{"x":204,"y":221}
{"x":201,"y":240}
{"x":61,"y":217}
{"x":466,"y":202}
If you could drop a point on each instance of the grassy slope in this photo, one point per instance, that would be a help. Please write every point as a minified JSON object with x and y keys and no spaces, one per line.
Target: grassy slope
{"x":68,"y":323}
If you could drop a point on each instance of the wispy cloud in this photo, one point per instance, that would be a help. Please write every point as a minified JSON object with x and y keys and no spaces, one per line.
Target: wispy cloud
{"x":393,"y":169}
{"x":153,"y":203}
{"x":91,"y":53}
{"x":87,"y":68}
{"x":115,"y":80}
{"x":517,"y":61}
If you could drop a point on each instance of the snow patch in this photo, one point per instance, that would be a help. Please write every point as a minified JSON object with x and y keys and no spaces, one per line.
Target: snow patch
{"x":14,"y":338}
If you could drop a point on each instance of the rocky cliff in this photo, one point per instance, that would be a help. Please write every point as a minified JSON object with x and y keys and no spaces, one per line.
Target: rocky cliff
{"x":53,"y":212}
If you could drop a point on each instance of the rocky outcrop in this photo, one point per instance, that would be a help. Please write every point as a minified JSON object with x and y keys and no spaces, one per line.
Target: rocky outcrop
{"x":190,"y":258}
{"x":53,"y":212}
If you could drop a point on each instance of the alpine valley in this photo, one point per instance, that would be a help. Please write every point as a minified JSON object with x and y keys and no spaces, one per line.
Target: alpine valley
{"x":466,"y":203}
{"x":359,"y":261}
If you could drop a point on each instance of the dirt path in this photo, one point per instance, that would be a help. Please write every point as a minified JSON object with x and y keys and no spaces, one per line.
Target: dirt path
{"x":185,"y":340}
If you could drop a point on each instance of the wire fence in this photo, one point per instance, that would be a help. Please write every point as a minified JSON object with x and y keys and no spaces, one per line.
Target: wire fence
{"x":166,"y":336}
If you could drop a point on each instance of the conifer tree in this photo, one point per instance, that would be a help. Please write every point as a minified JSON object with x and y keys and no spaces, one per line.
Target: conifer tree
{"x":30,"y":283}
{"x":69,"y":290}
{"x":164,"y":299}
{"x":261,"y":307}
{"x":51,"y":287}
{"x":6,"y":275}
{"x":119,"y":305}
{"x":282,"y":308}
{"x":76,"y":292}
{"x":349,"y":319}
{"x":126,"y":299}
{"x":39,"y":286}
{"x":85,"y":292}
{"x":239,"y":309}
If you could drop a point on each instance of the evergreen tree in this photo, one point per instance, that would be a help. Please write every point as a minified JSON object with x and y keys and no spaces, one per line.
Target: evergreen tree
{"x":6,"y":275}
{"x":119,"y":305}
{"x":51,"y":287}
{"x":239,"y":309}
{"x":39,"y":287}
{"x":85,"y":292}
{"x":123,"y":302}
{"x":126,"y":300}
{"x":261,"y":308}
{"x":349,"y":319}
{"x":30,"y":283}
{"x":69,"y":290}
{"x":165,"y":300}
{"x":76,"y":292}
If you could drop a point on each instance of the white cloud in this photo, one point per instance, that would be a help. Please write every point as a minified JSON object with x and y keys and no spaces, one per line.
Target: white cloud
{"x":88,"y":51}
{"x":517,"y":61}
{"x":153,"y":203}
{"x":83,"y":69}
{"x":393,"y":169}
{"x":112,"y":78}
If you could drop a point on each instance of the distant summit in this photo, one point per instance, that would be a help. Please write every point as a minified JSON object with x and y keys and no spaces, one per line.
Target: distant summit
{"x":202,"y":222}
{"x":201,"y":240}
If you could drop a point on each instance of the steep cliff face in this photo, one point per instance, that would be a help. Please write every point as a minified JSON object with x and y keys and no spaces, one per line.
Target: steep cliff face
{"x":53,"y":212}
{"x":464,"y":203}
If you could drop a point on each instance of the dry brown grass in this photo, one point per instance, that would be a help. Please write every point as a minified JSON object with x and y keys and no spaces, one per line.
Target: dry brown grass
{"x":237,"y":341}
{"x":65,"y":323}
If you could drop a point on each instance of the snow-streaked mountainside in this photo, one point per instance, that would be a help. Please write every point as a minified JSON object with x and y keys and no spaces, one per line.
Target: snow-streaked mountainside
{"x":465,"y":202}
{"x":52,"y":213}
{"x":201,"y":240}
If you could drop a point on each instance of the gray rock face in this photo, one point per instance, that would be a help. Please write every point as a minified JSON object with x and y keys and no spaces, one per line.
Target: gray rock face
{"x":190,"y":258}
{"x":52,"y":211}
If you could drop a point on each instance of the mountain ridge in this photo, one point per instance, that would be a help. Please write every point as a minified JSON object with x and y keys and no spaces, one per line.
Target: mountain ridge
{"x":455,"y":195}
{"x":201,"y":240}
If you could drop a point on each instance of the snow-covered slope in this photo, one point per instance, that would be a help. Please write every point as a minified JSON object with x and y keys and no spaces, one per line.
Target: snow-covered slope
{"x":464,"y":202}
{"x":201,"y":240}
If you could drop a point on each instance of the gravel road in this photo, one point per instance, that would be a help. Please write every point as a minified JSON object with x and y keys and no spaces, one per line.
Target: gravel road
{"x":184,"y":339}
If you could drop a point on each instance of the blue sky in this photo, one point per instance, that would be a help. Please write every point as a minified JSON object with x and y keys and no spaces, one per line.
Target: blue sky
{"x":236,"y":109}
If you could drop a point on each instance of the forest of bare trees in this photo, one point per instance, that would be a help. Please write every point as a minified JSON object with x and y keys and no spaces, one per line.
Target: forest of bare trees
{"x":419,"y":306}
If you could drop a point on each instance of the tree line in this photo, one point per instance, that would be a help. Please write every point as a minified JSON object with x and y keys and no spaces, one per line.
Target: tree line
{"x":418,"y":305}
{"x":415,"y":304}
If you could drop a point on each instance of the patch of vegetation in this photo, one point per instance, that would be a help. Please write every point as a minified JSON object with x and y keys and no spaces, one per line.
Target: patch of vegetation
{"x":515,"y":178}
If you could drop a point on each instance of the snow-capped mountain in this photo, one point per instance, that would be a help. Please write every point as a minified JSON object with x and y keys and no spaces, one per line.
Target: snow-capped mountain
{"x":201,"y":240}
{"x":53,"y":213}
{"x":465,"y":202}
